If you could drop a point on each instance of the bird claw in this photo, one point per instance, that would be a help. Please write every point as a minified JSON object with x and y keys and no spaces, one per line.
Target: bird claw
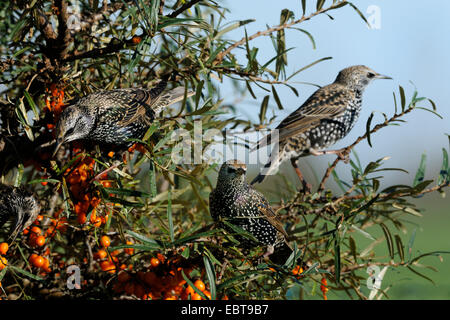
{"x":270,"y":250}
{"x":343,"y":155}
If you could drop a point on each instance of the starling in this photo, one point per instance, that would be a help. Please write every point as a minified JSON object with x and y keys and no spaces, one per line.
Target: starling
{"x":235,"y":201}
{"x":326,"y":117}
{"x":19,"y":204}
{"x":115,"y":116}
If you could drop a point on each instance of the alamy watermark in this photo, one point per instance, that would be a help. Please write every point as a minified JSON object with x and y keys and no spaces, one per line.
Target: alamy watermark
{"x":209,"y":146}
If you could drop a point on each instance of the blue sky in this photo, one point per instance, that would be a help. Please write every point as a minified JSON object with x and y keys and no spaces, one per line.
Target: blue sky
{"x":410,"y":46}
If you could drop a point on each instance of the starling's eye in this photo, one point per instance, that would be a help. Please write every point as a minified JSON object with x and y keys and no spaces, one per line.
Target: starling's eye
{"x":370,"y":75}
{"x":231,"y":170}
{"x":69,"y":131}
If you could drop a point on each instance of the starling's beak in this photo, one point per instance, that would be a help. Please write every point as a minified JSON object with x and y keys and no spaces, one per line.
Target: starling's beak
{"x":59,"y":143}
{"x":381,"y":76}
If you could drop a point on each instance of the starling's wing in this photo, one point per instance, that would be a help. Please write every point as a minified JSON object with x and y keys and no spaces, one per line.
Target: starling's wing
{"x":134,"y":104}
{"x":266,"y":210}
{"x":326,"y":103}
{"x":145,"y":104}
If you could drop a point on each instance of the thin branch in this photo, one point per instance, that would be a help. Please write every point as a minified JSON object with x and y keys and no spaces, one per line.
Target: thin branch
{"x":224,"y":53}
{"x":361,"y":138}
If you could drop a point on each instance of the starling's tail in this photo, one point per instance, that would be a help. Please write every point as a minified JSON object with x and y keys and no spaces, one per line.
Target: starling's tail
{"x":270,"y":167}
{"x":169,"y":97}
{"x":281,"y":254}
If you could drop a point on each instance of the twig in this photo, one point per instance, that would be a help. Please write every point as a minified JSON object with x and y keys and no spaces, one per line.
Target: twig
{"x":361,"y":138}
{"x":224,"y":53}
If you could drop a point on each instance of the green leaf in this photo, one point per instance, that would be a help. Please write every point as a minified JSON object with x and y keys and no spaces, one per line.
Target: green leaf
{"x":402,"y":98}
{"x":169,"y":215}
{"x":369,"y":121}
{"x":25,"y":273}
{"x":420,"y":274}
{"x":352,"y":245}
{"x":420,"y":175}
{"x":337,"y":258}
{"x":144,"y":239}
{"x":308,"y":66}
{"x":388,"y":236}
{"x":400,"y":248}
{"x":152,"y":173}
{"x":190,"y":283}
{"x":319,"y":4}
{"x":250,"y":90}
{"x":277,"y":98}
{"x":210,"y":273}
{"x":232,"y":27}
{"x":263,"y":110}
{"x":444,"y":173}
{"x":359,"y":13}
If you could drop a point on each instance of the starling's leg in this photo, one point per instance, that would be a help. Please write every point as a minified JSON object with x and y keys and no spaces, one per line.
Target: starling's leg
{"x":97,"y":177}
{"x":341,"y":153}
{"x":270,"y":250}
{"x":306,"y":186}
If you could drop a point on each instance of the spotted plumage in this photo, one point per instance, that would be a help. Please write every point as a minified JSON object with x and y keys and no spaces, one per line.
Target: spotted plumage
{"x":19,"y":205}
{"x":238,"y":203}
{"x":115,"y":116}
{"x":325,"y":118}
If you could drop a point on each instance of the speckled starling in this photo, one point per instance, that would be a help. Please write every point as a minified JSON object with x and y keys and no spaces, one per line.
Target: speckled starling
{"x":326,"y":117}
{"x":115,"y":116}
{"x":19,"y":205}
{"x":238,"y":203}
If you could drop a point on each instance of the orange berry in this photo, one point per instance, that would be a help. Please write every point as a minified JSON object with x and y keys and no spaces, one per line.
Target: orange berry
{"x":101,"y":254}
{"x":200,"y":285}
{"x":38,"y":261}
{"x":108,"y":266}
{"x":4,"y":248}
{"x":297,"y":270}
{"x":105,"y":241}
{"x":154,"y":262}
{"x":82,"y":218}
{"x":111,"y":154}
{"x":136,"y":39}
{"x":40,"y":241}
{"x":129,"y":251}
{"x":46,"y":265}
{"x":36,"y":230}
{"x":98,"y":222}
{"x":207,"y":294}
{"x":189,"y":290}
{"x":196,"y":296}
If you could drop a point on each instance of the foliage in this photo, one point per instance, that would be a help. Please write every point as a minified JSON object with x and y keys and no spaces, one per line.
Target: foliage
{"x":154,"y":211}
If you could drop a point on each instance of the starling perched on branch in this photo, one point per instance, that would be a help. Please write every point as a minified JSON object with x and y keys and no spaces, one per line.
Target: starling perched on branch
{"x":238,"y":203}
{"x":326,"y":117}
{"x":115,"y":116}
{"x":18,"y":204}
